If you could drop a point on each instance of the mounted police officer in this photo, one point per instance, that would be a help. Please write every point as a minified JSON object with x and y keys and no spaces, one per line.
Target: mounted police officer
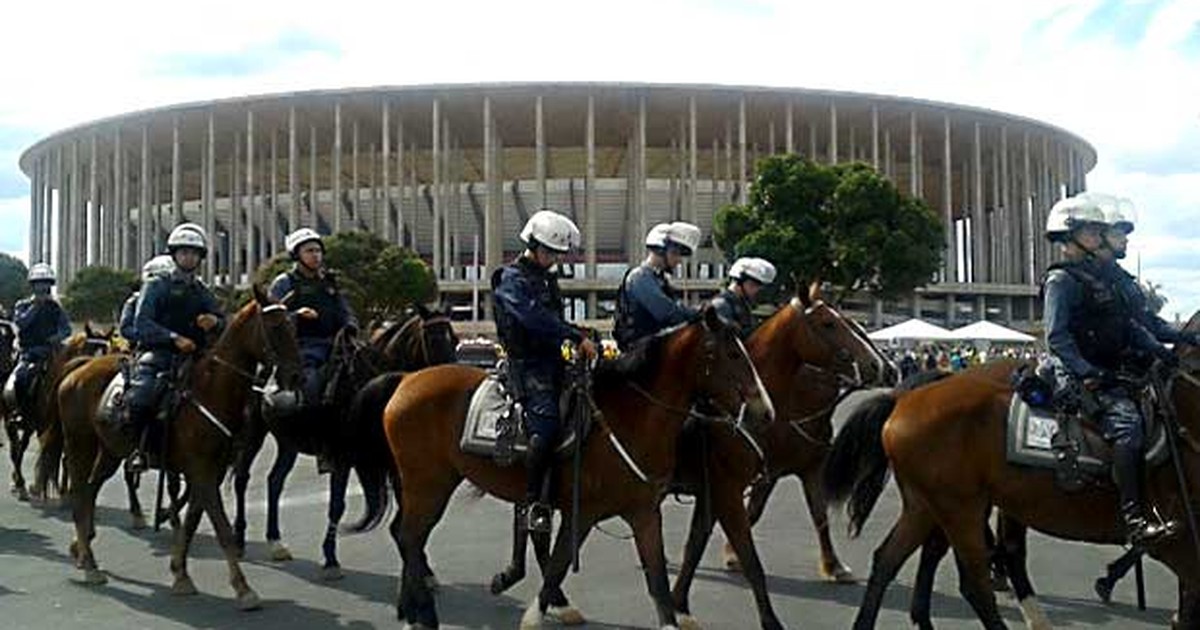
{"x":1119,"y":213}
{"x":157,"y":266}
{"x":41,"y":326}
{"x":1090,"y":332}
{"x":646,"y":301}
{"x":174,"y":316}
{"x":529,"y":321}
{"x":318,"y":306}
{"x":734,"y":303}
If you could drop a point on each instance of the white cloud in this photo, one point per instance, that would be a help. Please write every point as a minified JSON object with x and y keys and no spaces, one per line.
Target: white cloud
{"x":1048,"y":59}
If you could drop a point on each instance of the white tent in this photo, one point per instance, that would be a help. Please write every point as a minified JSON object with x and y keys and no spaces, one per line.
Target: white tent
{"x":988,"y":331}
{"x":913,"y":329}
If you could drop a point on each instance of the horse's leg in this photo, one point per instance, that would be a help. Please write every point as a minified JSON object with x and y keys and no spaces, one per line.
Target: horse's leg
{"x":964,"y":526}
{"x":693,"y":550}
{"x":183,"y":541}
{"x":515,"y":571}
{"x":1014,"y":551}
{"x":285,"y":459}
{"x":88,"y":474}
{"x":759,"y":494}
{"x":244,"y":460}
{"x":647,"y":536}
{"x":178,"y":500}
{"x":18,"y":448}
{"x":422,"y":504}
{"x":932,"y":552}
{"x":551,"y":601}
{"x":137,"y":519}
{"x":911,"y":529}
{"x":210,"y":496}
{"x":832,"y":568}
{"x":1114,"y":572}
{"x":338,"y":480}
{"x":731,"y":513}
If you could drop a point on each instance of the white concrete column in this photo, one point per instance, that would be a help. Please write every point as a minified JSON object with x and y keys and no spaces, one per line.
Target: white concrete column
{"x":251,"y":222}
{"x":116,"y":235}
{"x":770,"y":137}
{"x":355,"y":189}
{"x":35,"y":220}
{"x":914,"y":185}
{"x":888,"y":170}
{"x":589,"y":202}
{"x":438,"y":262}
{"x":493,"y":244}
{"x":812,"y":141}
{"x":789,"y":131}
{"x":743,"y":194}
{"x":540,"y":149}
{"x":385,"y":170}
{"x":62,"y":209}
{"x":1006,"y":212}
{"x":1032,"y":232}
{"x":979,"y":236}
{"x":313,"y":189}
{"x":337,"y":167}
{"x":210,"y":206}
{"x":833,"y":134}
{"x":641,"y":171}
{"x":875,"y":137}
{"x":176,"y":176}
{"x":693,"y":152}
{"x":270,"y":223}
{"x":293,"y":173}
{"x":950,"y":266}
{"x":400,"y":196}
{"x":93,"y":206}
{"x":236,"y":260}
{"x":145,"y":223}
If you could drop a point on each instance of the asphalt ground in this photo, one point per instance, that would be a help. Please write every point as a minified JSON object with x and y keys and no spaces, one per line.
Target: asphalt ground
{"x":471,"y":543}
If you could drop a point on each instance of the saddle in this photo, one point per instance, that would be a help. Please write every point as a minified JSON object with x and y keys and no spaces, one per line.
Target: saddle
{"x":114,"y":421}
{"x":10,"y":391}
{"x":1066,"y":439}
{"x":494,"y":419}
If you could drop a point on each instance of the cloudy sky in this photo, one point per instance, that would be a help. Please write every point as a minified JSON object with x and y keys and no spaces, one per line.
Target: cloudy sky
{"x":1123,"y":74}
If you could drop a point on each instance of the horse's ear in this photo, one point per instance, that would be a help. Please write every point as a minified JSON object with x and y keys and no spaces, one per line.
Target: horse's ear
{"x":87,"y":329}
{"x":814,"y":291}
{"x":803,"y":293}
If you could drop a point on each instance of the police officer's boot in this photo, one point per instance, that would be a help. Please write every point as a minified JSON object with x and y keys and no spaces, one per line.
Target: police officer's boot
{"x":540,"y":517}
{"x":1127,"y":467}
{"x":138,"y":428}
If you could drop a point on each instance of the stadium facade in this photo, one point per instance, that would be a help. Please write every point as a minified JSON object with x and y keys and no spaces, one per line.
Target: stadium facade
{"x":453,"y":171}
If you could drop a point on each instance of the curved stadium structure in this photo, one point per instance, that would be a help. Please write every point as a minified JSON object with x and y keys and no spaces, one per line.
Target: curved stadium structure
{"x":453,"y":171}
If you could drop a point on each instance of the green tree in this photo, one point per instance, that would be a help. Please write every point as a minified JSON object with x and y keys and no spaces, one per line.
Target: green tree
{"x":13,"y":285}
{"x":845,"y":224}
{"x":96,"y":293}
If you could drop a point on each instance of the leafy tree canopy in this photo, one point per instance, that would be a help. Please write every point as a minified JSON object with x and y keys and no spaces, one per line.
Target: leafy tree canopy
{"x":96,"y":293}
{"x":13,"y":285}
{"x":845,"y":224}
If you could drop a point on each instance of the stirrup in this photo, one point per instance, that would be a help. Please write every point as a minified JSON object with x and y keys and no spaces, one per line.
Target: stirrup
{"x":137,"y":462}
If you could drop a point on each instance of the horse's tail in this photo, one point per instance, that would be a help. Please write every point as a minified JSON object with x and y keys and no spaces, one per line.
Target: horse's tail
{"x":372,"y":459}
{"x":51,"y":437}
{"x":857,"y":467}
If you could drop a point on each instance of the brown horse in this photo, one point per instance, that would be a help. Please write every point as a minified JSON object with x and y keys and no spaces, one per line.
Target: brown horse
{"x":962,"y":419}
{"x":43,"y":416}
{"x":628,"y":460}
{"x":807,"y":353}
{"x":199,"y":435}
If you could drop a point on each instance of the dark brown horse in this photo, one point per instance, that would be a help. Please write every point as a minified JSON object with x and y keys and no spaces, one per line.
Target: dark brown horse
{"x":199,"y":435}
{"x":43,"y":416}
{"x":628,"y":460}
{"x":962,"y":419}
{"x":423,"y":339}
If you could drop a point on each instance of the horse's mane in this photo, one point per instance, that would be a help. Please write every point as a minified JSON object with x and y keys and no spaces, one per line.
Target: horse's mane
{"x":639,"y":361}
{"x":247,"y":310}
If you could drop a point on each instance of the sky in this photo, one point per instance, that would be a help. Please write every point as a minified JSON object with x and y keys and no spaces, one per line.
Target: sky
{"x":1123,"y":74}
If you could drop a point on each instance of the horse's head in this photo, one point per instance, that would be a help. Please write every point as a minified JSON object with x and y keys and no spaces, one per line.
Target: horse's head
{"x":727,"y":377}
{"x":823,"y":338}
{"x":437,"y":335}
{"x":426,"y":338}
{"x":263,"y":331}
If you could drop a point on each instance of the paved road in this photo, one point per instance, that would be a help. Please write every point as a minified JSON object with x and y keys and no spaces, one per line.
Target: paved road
{"x":35,"y":590}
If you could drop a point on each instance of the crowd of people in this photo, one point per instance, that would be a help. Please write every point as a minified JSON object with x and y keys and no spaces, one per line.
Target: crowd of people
{"x":956,"y":357}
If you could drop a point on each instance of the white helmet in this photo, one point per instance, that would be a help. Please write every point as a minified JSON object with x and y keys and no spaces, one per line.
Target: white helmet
{"x":300,"y":237}
{"x":657,"y":236}
{"x":1071,"y":213}
{"x":757,"y":269}
{"x":1123,"y":215}
{"x":188,"y":235}
{"x":42,"y":272}
{"x":552,"y":230}
{"x":160,"y":265}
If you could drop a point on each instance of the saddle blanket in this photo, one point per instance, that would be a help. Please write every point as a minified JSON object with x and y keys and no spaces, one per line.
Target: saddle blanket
{"x":491,"y":407}
{"x":1032,"y":438}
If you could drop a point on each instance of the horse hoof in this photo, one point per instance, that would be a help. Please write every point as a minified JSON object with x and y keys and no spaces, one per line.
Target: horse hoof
{"x":331,"y":574}
{"x":137,"y":522}
{"x":532,"y":619}
{"x":839,"y":574}
{"x":688,"y":622}
{"x":432,"y":583}
{"x":278,"y":552}
{"x":183,"y":586}
{"x":22,"y":494}
{"x":248,"y":601}
{"x":92,"y":577}
{"x":566,"y":615}
{"x":416,"y":626}
{"x":1035,"y":618}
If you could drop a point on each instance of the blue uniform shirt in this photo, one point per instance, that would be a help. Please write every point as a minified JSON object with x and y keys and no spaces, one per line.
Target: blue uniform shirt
{"x":169,"y":305}
{"x":40,"y":324}
{"x":647,"y":306}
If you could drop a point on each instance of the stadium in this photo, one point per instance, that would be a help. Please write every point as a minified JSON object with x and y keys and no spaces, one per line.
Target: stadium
{"x":453,"y":171}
